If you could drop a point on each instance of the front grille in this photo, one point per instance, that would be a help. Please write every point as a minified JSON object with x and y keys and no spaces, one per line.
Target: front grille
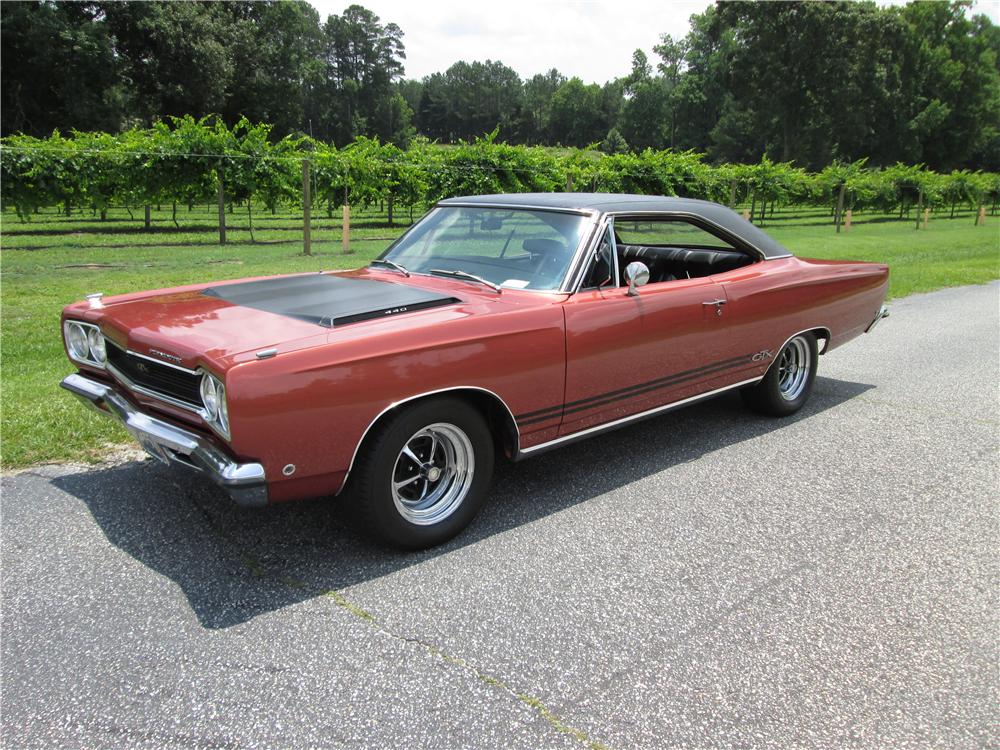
{"x":157,"y":377}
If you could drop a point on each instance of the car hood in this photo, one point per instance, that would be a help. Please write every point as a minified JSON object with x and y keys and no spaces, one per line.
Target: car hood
{"x":221,"y":322}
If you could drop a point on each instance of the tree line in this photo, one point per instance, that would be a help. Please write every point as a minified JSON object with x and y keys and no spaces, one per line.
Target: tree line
{"x":802,"y":82}
{"x":184,"y":161}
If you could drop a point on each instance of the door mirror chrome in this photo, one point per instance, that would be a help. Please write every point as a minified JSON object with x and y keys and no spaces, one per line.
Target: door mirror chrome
{"x":636,"y":274}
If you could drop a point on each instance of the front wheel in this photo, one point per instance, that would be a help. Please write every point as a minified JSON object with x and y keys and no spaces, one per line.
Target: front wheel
{"x":424,"y":473}
{"x":788,"y":382}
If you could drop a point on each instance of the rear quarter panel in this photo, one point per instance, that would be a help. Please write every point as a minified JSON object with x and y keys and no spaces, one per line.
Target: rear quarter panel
{"x":771,"y":301}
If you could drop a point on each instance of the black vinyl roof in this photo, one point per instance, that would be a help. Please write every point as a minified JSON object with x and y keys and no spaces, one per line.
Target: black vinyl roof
{"x":621,"y":203}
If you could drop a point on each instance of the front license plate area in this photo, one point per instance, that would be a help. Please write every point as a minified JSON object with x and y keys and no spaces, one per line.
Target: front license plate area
{"x":151,"y":447}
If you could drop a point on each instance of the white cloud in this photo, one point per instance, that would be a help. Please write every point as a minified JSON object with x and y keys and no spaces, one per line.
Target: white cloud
{"x":592,"y":40}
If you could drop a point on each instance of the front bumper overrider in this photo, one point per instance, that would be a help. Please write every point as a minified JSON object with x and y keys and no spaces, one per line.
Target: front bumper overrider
{"x":245,"y":483}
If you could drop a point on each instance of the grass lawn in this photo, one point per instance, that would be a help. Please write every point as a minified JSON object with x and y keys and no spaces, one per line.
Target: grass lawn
{"x":55,"y":260}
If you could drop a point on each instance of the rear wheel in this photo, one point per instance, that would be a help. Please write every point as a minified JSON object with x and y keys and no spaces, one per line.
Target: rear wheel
{"x":423,"y":474}
{"x":788,"y":382}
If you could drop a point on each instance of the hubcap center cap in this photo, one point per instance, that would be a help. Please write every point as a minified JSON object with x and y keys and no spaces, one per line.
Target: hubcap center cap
{"x":433,"y":473}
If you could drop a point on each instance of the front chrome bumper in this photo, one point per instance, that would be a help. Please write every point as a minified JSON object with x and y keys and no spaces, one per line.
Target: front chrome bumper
{"x":882,"y":313}
{"x":245,"y":483}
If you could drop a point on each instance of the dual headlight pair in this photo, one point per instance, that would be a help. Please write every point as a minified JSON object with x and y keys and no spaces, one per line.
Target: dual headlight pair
{"x":86,"y":345}
{"x":213,"y":396}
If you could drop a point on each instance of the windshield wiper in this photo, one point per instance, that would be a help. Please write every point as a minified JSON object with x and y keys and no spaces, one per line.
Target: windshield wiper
{"x":392,"y":264}
{"x":464,"y":275}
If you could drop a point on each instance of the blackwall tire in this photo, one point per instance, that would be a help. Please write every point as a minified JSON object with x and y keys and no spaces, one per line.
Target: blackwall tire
{"x":423,"y":474}
{"x":788,"y":382}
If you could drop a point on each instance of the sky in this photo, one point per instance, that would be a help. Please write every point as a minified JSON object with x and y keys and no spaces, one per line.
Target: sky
{"x":592,"y":40}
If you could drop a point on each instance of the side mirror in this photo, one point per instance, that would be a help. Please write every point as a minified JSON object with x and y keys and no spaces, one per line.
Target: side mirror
{"x":636,"y":274}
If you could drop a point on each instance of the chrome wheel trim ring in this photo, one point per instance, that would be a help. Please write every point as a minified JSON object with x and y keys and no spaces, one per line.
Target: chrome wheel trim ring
{"x":794,"y":364}
{"x":432,"y":474}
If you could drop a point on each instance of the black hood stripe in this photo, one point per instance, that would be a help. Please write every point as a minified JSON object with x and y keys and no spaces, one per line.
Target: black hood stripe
{"x":329,"y":300}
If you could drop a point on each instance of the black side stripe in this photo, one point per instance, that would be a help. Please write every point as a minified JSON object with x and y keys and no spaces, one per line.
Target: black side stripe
{"x":635,"y":390}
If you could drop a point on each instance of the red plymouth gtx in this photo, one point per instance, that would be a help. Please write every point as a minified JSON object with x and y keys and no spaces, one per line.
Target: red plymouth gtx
{"x":505,"y":324}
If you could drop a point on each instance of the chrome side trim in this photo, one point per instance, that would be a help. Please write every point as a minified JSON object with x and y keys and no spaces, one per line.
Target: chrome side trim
{"x":882,"y":313}
{"x":573,"y":437}
{"x":245,"y":483}
{"x":400,"y":402}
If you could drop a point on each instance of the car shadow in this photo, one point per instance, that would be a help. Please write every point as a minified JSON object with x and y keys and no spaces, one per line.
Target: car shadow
{"x":234,"y":564}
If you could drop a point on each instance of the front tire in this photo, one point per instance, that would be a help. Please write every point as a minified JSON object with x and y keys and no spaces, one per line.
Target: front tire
{"x":423,"y":474}
{"x":788,"y":382}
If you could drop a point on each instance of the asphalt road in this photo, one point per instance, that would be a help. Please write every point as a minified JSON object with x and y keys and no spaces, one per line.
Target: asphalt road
{"x":706,"y":579}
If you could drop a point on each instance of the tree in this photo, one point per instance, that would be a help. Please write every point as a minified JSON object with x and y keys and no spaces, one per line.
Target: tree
{"x":537,"y":106}
{"x":469,"y":100}
{"x":59,"y":69}
{"x":176,"y":57}
{"x":614,"y":143}
{"x":276,"y":49}
{"x":575,"y":118}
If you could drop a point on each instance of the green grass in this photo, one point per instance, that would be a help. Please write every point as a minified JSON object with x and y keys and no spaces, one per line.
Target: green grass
{"x":52,"y":261}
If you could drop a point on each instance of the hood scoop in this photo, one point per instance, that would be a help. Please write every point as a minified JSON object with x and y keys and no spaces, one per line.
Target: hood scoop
{"x":329,"y":300}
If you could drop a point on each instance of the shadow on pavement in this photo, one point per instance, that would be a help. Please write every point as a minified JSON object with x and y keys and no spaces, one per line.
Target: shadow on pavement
{"x":258,"y":561}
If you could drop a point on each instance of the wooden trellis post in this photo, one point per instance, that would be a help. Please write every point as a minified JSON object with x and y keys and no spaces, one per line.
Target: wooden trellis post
{"x":346,"y":239}
{"x":306,"y":210}
{"x":222,"y":210}
{"x":848,"y":216}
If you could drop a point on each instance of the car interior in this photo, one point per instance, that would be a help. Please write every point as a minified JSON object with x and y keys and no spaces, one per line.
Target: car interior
{"x":673,"y":250}
{"x":672,"y":263}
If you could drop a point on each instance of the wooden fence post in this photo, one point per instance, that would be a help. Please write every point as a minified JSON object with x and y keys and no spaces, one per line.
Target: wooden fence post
{"x":306,"y":210}
{"x":346,"y":239}
{"x":840,"y":206}
{"x":981,"y":216}
{"x":147,"y":223}
{"x":848,"y":217}
{"x":569,"y":183}
{"x":222,"y":210}
{"x":920,"y":205}
{"x":746,"y":214}
{"x":927,"y":215}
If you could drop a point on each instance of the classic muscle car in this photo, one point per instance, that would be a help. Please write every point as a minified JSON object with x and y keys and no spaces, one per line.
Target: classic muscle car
{"x":498,"y":324}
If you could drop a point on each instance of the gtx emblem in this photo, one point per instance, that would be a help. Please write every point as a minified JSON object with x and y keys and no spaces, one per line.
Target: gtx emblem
{"x":766,"y":354}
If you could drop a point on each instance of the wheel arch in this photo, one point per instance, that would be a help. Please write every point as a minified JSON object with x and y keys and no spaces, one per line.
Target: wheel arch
{"x":820,"y":333}
{"x":498,"y":415}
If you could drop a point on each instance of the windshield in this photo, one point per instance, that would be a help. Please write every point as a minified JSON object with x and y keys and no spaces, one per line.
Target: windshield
{"x":513,"y":248}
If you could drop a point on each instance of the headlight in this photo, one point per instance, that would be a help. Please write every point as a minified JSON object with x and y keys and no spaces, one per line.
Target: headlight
{"x":76,"y":340}
{"x":213,"y":397}
{"x":95,"y":341}
{"x":210,"y":396}
{"x":85,"y":343}
{"x":220,"y":392}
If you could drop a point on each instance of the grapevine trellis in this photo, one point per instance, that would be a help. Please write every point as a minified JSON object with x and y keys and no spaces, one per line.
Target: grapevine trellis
{"x":185,"y":161}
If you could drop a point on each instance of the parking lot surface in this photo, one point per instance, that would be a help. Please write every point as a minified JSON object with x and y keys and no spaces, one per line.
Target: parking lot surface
{"x":706,"y":579}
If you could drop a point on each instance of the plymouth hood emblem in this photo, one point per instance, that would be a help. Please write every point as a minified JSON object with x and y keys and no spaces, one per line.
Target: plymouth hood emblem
{"x":163,"y":355}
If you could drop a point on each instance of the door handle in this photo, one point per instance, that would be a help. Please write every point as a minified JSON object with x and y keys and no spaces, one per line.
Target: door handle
{"x":717,"y":304}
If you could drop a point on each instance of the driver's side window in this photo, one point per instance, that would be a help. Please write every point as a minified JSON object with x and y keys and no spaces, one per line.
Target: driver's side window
{"x":602,"y":265}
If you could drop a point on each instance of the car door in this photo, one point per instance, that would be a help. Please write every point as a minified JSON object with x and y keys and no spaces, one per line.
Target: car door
{"x":628,"y":354}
